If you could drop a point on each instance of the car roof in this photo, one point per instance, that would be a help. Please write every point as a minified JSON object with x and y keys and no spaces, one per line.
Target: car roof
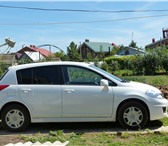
{"x":29,"y":65}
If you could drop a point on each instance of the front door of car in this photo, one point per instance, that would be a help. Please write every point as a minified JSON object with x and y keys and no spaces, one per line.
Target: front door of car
{"x":83,"y":97}
{"x":40,"y":90}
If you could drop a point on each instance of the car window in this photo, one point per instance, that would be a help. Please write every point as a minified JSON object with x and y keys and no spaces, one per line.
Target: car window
{"x":81,"y":76}
{"x":40,"y":75}
{"x":3,"y":74}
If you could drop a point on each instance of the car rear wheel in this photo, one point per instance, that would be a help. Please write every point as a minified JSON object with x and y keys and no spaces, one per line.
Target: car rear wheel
{"x":15,"y":118}
{"x":133,"y":115}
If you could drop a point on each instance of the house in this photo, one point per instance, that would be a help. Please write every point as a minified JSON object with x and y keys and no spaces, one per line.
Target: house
{"x":130,"y":51}
{"x":162,"y":41}
{"x":94,"y":48}
{"x":32,"y":53}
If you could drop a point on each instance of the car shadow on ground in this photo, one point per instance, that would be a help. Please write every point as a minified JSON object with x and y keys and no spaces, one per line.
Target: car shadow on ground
{"x":89,"y":127}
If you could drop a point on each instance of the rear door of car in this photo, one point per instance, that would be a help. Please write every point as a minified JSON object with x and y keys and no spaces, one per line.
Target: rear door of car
{"x":40,"y":90}
{"x":83,"y":97}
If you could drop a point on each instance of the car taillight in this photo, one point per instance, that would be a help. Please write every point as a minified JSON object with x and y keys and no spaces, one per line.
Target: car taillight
{"x":3,"y":87}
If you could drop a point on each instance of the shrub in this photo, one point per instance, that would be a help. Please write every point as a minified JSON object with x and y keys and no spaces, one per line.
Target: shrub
{"x":123,"y":62}
{"x":165,"y":63}
{"x":137,"y":63}
{"x":164,"y":59}
{"x":150,"y":63}
{"x":114,"y":65}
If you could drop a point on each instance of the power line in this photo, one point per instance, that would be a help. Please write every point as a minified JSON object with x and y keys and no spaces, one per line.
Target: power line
{"x":77,"y":22}
{"x":82,"y":10}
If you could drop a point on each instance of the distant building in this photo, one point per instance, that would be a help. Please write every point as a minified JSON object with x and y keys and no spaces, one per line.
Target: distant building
{"x":8,"y":58}
{"x":94,"y":48}
{"x":130,"y":51}
{"x":32,"y":53}
{"x":163,"y":41}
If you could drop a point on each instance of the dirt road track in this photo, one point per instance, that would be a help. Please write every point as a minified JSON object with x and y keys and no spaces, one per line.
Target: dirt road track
{"x":13,"y":137}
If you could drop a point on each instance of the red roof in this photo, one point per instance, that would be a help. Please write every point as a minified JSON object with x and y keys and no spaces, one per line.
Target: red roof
{"x":33,"y":48}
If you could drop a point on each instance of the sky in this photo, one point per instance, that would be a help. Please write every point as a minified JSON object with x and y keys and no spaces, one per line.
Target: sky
{"x":61,"y":22}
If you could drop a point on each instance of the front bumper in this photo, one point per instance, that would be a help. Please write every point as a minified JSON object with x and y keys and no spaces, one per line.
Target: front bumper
{"x":158,"y":109}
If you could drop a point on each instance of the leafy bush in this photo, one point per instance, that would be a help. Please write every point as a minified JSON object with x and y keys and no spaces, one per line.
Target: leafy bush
{"x":164,"y":59}
{"x":165,"y":63}
{"x":150,"y":63}
{"x":124,"y":62}
{"x":137,"y":63}
{"x":114,"y":65}
{"x":154,"y":61}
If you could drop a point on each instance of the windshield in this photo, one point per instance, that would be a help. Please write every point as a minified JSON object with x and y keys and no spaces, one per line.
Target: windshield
{"x":110,"y":75}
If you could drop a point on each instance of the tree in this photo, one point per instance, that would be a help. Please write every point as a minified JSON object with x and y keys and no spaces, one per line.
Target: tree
{"x":116,"y":49}
{"x":72,"y":52}
{"x":133,"y":44}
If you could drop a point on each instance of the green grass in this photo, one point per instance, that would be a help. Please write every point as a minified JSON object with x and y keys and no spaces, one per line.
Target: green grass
{"x":159,"y":80}
{"x":138,"y":138}
{"x":103,"y":139}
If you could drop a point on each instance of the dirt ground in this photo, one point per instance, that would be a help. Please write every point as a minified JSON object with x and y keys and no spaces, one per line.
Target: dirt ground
{"x":164,"y":90}
{"x":14,"y":138}
{"x":6,"y":139}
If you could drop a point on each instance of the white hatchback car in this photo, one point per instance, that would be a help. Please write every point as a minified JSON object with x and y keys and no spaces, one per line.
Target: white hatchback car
{"x":74,"y":92}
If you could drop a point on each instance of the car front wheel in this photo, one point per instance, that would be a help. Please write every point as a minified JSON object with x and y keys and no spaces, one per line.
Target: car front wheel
{"x":133,"y":115}
{"x":15,"y":118}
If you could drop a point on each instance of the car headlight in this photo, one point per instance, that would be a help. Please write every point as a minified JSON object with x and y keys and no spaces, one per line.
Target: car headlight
{"x":154,"y":94}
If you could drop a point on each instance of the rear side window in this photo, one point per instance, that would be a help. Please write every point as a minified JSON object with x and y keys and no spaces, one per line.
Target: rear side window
{"x":3,"y":74}
{"x":46,"y":75}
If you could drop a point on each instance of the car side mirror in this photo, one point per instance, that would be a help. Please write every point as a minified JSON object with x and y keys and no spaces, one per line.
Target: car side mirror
{"x":104,"y":83}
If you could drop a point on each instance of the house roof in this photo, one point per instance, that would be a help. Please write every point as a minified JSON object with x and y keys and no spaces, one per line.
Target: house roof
{"x":33,"y":48}
{"x":156,"y":43}
{"x":130,"y":51}
{"x":99,"y":46}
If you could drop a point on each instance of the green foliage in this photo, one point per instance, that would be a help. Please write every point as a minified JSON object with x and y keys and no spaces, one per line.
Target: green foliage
{"x":165,"y":63}
{"x":133,"y":44}
{"x":105,"y":67}
{"x":124,"y":62}
{"x":139,"y":138}
{"x":159,"y":80}
{"x":137,"y":63}
{"x":72,"y":52}
{"x":149,"y":64}
{"x":24,"y":61}
{"x":164,"y":58}
{"x":114,"y":65}
{"x":3,"y":68}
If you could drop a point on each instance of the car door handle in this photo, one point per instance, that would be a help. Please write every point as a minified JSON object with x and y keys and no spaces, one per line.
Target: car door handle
{"x":26,"y":90}
{"x":69,"y":90}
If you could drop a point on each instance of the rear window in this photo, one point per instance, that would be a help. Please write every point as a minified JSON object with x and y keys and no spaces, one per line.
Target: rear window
{"x":3,"y":74}
{"x":45,"y":75}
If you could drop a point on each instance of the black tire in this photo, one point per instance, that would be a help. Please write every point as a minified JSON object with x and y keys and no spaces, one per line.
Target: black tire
{"x":15,"y":118}
{"x":132,"y":115}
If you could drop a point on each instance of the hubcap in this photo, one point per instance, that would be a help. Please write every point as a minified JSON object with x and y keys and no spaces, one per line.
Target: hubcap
{"x":14,"y":118}
{"x":133,"y":116}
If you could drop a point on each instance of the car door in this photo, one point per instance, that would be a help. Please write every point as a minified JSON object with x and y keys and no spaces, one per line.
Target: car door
{"x":83,"y":97}
{"x":40,"y":90}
